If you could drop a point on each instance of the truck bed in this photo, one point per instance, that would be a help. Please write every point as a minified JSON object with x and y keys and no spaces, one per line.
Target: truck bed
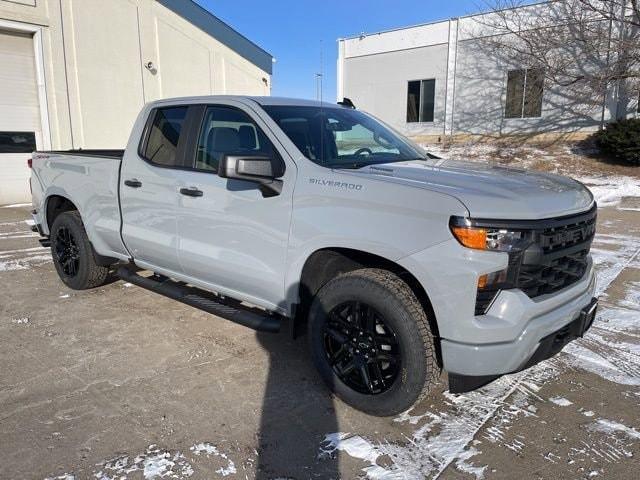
{"x":85,"y":153}
{"x":90,"y":180}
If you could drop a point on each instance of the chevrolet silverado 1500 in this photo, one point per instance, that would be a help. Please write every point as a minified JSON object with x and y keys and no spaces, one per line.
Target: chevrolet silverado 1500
{"x":268,"y":211}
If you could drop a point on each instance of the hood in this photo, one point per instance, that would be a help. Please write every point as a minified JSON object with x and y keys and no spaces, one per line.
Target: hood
{"x":491,"y":191}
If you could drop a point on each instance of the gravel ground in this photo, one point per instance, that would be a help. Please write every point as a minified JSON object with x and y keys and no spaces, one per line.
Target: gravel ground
{"x":119,"y":383}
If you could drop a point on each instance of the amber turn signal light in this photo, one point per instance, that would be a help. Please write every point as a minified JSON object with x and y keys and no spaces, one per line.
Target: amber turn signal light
{"x":471,"y":237}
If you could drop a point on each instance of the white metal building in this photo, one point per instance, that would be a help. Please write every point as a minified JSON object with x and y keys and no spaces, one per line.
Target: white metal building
{"x":74,"y":74}
{"x":438,"y":79}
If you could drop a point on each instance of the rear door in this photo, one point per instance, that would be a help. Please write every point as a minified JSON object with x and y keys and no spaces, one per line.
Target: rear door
{"x":149,"y":189}
{"x":232,"y":238}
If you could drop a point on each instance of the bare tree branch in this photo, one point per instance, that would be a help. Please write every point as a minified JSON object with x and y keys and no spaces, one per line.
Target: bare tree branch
{"x":587,"y":47}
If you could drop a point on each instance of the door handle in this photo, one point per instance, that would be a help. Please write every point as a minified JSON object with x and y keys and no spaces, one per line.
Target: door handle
{"x":191,"y":192}
{"x":133,"y":183}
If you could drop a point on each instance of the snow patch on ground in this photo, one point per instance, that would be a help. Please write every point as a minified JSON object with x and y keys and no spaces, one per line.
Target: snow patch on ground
{"x":16,"y":205}
{"x":211,"y":450}
{"x":608,"y":191}
{"x":20,"y":321}
{"x":159,"y":463}
{"x":153,"y":463}
{"x":17,"y":234}
{"x":23,"y":259}
{"x":445,"y":438}
{"x":611,"y":427}
{"x":561,"y":401}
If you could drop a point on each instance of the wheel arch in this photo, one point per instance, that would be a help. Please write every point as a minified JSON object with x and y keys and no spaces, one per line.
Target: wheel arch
{"x":55,"y":205}
{"x":327,"y":263}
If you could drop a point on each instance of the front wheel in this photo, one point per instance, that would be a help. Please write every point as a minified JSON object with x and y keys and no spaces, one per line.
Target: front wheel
{"x":73,"y":254}
{"x":371,"y":342}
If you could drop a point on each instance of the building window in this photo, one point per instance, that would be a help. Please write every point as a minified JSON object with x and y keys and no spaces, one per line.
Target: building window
{"x":421,"y":100}
{"x":17,"y":142}
{"x":524,"y":93}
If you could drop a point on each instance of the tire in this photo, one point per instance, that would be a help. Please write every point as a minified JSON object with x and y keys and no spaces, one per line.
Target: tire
{"x":73,"y":255}
{"x":398,"y":319}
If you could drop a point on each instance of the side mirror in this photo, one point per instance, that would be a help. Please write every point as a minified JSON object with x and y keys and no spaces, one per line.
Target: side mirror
{"x":251,"y":168}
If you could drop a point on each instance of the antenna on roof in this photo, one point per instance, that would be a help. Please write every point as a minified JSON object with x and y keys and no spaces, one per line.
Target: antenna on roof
{"x":346,"y":102}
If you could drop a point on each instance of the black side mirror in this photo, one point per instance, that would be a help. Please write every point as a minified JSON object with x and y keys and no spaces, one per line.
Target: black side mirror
{"x":251,"y":168}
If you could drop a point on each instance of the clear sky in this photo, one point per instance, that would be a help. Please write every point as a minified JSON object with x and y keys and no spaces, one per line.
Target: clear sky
{"x":294,"y":30}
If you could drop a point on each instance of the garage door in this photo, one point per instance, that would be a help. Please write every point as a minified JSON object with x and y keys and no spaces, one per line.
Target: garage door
{"x":20,"y":128}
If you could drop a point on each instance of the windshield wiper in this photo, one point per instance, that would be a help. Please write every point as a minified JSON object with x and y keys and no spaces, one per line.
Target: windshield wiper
{"x":348,"y":165}
{"x":356,"y":165}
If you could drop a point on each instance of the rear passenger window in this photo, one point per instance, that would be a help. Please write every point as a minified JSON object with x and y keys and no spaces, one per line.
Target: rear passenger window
{"x":163,"y":137}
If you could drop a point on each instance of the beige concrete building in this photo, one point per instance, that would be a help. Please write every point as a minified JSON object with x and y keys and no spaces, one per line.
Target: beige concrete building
{"x":75,"y":73}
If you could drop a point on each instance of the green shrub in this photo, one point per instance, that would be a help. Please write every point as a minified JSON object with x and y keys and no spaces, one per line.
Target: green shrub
{"x":622,"y":140}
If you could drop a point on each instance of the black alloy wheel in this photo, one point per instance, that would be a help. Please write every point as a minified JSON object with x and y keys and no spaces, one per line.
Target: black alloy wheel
{"x":371,"y":341}
{"x":73,"y":256}
{"x":361,"y":348}
{"x":67,"y":252}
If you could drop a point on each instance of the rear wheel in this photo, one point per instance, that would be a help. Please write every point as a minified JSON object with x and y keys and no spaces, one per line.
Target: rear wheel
{"x":73,"y":254}
{"x":371,"y":342}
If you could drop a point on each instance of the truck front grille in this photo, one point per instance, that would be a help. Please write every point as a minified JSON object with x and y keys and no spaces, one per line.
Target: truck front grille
{"x":540,"y":279}
{"x":556,"y":258}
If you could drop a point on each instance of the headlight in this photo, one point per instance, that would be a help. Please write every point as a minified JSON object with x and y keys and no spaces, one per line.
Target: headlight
{"x":487,"y":238}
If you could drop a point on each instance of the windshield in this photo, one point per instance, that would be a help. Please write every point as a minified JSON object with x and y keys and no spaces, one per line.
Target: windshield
{"x":338,"y":137}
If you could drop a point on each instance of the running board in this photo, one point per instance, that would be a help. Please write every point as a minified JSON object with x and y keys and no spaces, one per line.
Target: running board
{"x":203,"y":300}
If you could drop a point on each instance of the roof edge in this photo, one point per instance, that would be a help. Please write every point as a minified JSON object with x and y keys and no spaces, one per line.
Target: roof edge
{"x":221,"y":31}
{"x":528,"y":3}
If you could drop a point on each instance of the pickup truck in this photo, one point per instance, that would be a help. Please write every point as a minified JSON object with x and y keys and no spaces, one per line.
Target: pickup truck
{"x":266,"y":211}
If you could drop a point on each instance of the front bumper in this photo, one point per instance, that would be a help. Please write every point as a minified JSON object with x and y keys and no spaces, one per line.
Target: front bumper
{"x":535,"y":320}
{"x":547,"y":348}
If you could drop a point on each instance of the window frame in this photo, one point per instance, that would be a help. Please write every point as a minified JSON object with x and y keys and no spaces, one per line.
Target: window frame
{"x":188,"y":143}
{"x":273,"y":116}
{"x":197,"y":131}
{"x":526,"y":73}
{"x":180,"y":163}
{"x":420,"y":101}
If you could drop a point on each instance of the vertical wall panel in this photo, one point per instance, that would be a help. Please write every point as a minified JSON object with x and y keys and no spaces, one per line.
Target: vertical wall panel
{"x":104,"y":70}
{"x":183,"y":63}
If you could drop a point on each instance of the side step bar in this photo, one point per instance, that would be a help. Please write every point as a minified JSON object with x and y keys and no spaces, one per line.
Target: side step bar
{"x":203,"y":300}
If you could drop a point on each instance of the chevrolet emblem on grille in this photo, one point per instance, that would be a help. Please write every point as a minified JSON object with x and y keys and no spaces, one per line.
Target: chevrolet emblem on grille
{"x":573,"y":235}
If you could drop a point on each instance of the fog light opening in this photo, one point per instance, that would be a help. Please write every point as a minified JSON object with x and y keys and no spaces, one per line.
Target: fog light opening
{"x":490,"y":280}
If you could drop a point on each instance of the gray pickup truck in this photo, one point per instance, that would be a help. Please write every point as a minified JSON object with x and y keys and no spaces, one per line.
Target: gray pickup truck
{"x":269,"y":211}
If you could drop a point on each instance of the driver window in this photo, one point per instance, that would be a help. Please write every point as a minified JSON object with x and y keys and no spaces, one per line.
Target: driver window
{"x":227,"y":130}
{"x":362,"y":141}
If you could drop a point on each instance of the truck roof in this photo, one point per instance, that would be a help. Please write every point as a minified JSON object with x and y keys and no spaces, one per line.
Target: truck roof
{"x":243,"y":98}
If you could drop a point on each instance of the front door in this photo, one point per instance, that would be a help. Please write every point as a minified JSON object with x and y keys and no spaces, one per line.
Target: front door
{"x":232,"y":238}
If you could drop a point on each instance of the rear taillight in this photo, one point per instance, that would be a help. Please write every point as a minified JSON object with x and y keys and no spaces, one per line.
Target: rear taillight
{"x":30,"y":163}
